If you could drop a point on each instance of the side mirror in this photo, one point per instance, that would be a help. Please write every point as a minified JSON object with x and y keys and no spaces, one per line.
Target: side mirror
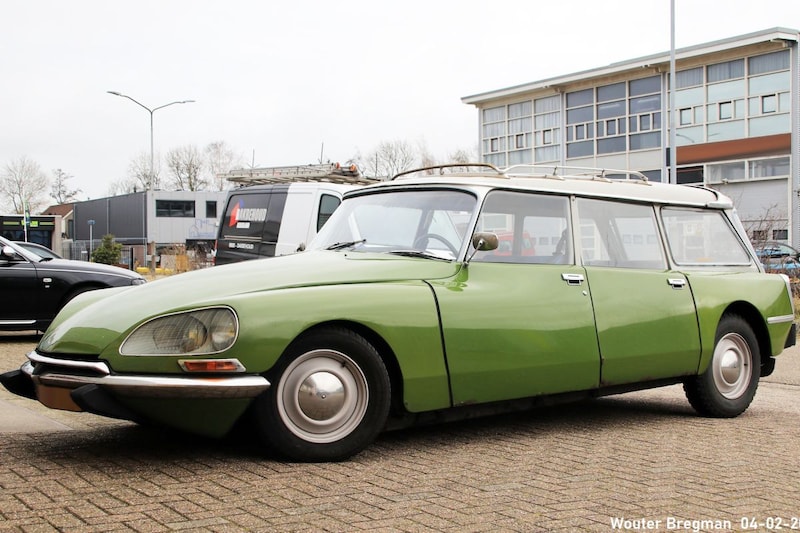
{"x":485,"y":241}
{"x":9,"y":254}
{"x":482,"y":242}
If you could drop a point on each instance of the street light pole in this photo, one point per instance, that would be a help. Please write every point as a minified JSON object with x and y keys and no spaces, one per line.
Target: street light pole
{"x":151,"y":111}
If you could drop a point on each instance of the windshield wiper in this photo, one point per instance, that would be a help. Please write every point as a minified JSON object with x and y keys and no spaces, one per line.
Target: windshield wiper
{"x":346,"y":244}
{"x":418,"y":253}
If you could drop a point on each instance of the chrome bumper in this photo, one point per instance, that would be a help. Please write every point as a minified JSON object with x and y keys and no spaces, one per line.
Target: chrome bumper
{"x":72,"y":374}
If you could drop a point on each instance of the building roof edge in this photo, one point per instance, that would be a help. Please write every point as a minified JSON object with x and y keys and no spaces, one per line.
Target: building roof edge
{"x":771,"y":34}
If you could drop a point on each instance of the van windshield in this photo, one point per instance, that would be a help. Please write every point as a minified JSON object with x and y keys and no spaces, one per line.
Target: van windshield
{"x":433,"y":222}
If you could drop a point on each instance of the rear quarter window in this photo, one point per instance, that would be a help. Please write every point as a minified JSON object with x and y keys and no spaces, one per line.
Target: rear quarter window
{"x":702,"y":237}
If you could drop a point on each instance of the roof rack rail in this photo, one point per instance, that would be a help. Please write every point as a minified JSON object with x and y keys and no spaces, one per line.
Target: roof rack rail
{"x":441,"y":168}
{"x":565,"y":172}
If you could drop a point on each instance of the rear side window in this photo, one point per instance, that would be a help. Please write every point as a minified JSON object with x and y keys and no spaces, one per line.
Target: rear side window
{"x":619,"y":234}
{"x":702,"y":237}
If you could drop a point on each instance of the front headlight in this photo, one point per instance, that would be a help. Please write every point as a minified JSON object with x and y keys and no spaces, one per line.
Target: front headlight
{"x":197,"y":332}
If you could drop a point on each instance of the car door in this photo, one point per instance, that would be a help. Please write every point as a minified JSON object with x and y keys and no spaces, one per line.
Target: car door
{"x":20,"y":290}
{"x":645,"y":312}
{"x":518,"y":322}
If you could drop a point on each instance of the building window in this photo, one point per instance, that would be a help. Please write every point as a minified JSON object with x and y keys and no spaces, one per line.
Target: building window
{"x":768,"y":63}
{"x":759,"y":235}
{"x":175,"y":208}
{"x":689,"y":78}
{"x":764,"y":168}
{"x":690,"y":175}
{"x":725,"y":110}
{"x":769,"y":103}
{"x":506,"y":128}
{"x":211,"y":209}
{"x":547,"y":128}
{"x":780,"y":235}
{"x":776,"y":167}
{"x":725,"y":71}
{"x":686,"y":116}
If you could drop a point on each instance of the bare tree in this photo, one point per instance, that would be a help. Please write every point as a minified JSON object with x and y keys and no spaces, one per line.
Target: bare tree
{"x":139,"y":172}
{"x":219,"y":159}
{"x":59,"y":191}
{"x":389,"y":158}
{"x":761,"y":228}
{"x":124,"y":186}
{"x":185,"y":166}
{"x":23,"y":184}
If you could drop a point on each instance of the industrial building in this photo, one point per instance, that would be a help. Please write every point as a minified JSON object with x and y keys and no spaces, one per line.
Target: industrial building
{"x":736,"y":119}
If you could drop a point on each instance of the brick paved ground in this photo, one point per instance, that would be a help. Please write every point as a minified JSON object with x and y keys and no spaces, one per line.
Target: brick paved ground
{"x":569,"y":468}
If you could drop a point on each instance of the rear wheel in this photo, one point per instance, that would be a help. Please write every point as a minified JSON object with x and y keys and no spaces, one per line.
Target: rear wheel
{"x":728,"y":385}
{"x":329,"y":398}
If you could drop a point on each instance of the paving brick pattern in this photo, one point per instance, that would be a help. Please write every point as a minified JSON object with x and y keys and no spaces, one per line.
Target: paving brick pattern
{"x":568,"y":468}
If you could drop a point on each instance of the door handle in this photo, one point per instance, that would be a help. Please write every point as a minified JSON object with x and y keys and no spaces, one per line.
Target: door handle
{"x":572,"y":279}
{"x":676,"y":283}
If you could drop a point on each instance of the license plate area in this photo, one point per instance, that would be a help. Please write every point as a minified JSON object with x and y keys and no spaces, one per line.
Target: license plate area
{"x":56,"y":398}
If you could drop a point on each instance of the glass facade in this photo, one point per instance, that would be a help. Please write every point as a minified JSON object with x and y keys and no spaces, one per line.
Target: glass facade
{"x":736,"y":99}
{"x":733,"y":100}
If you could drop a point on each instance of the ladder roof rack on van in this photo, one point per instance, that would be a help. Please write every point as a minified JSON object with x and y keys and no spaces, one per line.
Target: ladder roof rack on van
{"x":330,"y":173}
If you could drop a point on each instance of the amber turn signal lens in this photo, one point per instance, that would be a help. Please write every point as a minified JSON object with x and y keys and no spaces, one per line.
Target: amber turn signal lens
{"x":211,"y":365}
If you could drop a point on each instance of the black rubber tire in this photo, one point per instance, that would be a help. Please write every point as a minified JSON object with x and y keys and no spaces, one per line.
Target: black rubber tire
{"x":728,"y":385}
{"x":329,"y":398}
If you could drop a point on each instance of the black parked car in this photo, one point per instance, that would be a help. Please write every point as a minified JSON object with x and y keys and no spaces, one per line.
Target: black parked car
{"x":35,"y":288}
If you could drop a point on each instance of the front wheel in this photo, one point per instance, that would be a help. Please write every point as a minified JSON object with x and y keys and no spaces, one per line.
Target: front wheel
{"x":729,"y":383}
{"x":329,"y":398}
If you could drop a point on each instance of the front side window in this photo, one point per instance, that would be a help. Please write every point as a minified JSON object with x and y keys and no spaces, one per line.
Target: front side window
{"x":427,"y":221}
{"x":530,"y":228}
{"x":619,"y":234}
{"x":702,"y":237}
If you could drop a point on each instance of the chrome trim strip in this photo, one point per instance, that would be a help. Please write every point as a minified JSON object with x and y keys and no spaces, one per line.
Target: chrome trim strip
{"x":780,"y":319}
{"x":145,"y":386}
{"x":95,"y":366}
{"x":17,"y":322}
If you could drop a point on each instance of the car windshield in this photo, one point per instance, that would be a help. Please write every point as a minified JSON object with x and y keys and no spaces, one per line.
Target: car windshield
{"x":430,"y":223}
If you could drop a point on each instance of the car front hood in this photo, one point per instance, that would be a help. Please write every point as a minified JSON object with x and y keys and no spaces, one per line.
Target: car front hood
{"x":95,"y":319}
{"x":84,"y":266}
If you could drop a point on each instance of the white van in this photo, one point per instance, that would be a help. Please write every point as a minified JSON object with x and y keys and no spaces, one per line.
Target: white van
{"x":276,"y":219}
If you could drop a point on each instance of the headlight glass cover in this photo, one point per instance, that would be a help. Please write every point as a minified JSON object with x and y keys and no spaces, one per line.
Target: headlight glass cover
{"x":197,"y":332}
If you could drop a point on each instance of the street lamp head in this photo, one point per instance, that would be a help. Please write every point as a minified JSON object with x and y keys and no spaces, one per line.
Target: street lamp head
{"x":115,"y":93}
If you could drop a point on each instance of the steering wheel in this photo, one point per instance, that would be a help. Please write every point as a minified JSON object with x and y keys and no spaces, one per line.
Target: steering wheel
{"x":419,"y":240}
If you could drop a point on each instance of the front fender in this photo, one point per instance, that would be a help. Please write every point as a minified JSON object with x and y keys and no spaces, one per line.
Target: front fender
{"x":403,"y":314}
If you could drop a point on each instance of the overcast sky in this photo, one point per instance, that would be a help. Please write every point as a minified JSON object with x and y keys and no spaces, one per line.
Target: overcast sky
{"x":277,"y":80}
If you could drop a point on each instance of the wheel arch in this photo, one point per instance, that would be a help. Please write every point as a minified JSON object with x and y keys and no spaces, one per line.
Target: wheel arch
{"x":80,"y":288}
{"x":385,"y":351}
{"x":753,"y":317}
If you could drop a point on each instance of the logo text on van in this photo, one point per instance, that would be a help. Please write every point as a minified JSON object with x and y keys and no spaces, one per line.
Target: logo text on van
{"x":240,"y":213}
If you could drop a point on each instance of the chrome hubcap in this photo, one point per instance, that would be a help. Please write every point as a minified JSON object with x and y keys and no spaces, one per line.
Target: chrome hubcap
{"x":732,"y":366}
{"x":322,"y":396}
